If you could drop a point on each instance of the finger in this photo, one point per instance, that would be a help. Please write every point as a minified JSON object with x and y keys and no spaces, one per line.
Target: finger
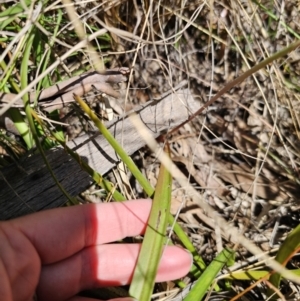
{"x":59,"y":233}
{"x":105,"y":265}
{"x":19,"y":265}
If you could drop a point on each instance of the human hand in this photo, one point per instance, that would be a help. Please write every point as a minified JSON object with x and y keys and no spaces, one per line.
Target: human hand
{"x":60,"y":252}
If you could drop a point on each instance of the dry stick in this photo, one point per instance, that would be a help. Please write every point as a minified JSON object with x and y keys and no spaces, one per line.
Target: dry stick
{"x":215,"y":88}
{"x":80,"y":84}
{"x":239,"y":80}
{"x":55,"y":97}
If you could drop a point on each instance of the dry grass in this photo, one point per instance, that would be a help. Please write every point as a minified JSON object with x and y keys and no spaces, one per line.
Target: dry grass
{"x":242,"y":154}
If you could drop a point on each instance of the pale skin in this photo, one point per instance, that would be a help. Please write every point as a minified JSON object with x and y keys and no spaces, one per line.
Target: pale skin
{"x":60,"y":252}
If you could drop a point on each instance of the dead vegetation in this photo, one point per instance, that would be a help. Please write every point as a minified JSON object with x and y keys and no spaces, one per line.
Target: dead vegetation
{"x":242,"y":153}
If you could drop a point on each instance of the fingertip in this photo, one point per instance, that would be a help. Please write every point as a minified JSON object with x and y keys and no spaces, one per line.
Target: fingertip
{"x":176,"y":263}
{"x":186,"y":258}
{"x":191,"y":258}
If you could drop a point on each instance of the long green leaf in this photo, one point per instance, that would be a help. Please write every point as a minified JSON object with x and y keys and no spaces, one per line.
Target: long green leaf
{"x":151,"y":251}
{"x":206,"y":279}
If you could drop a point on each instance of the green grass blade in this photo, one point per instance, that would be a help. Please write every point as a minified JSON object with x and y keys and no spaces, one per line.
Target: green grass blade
{"x":11,"y":12}
{"x":290,"y":245}
{"x":187,"y":243}
{"x":141,"y":179}
{"x":95,"y":175}
{"x":15,"y":114}
{"x":248,"y":275}
{"x":208,"y":276}
{"x":253,"y":275}
{"x":145,"y":271}
{"x":276,"y":19}
{"x":30,"y":112}
{"x":21,"y":126}
{"x":7,"y":76}
{"x":24,"y":83}
{"x":46,"y":82}
{"x":117,"y":147}
{"x":15,"y":9}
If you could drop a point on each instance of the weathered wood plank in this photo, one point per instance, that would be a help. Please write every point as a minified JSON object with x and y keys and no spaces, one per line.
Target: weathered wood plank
{"x":29,"y":187}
